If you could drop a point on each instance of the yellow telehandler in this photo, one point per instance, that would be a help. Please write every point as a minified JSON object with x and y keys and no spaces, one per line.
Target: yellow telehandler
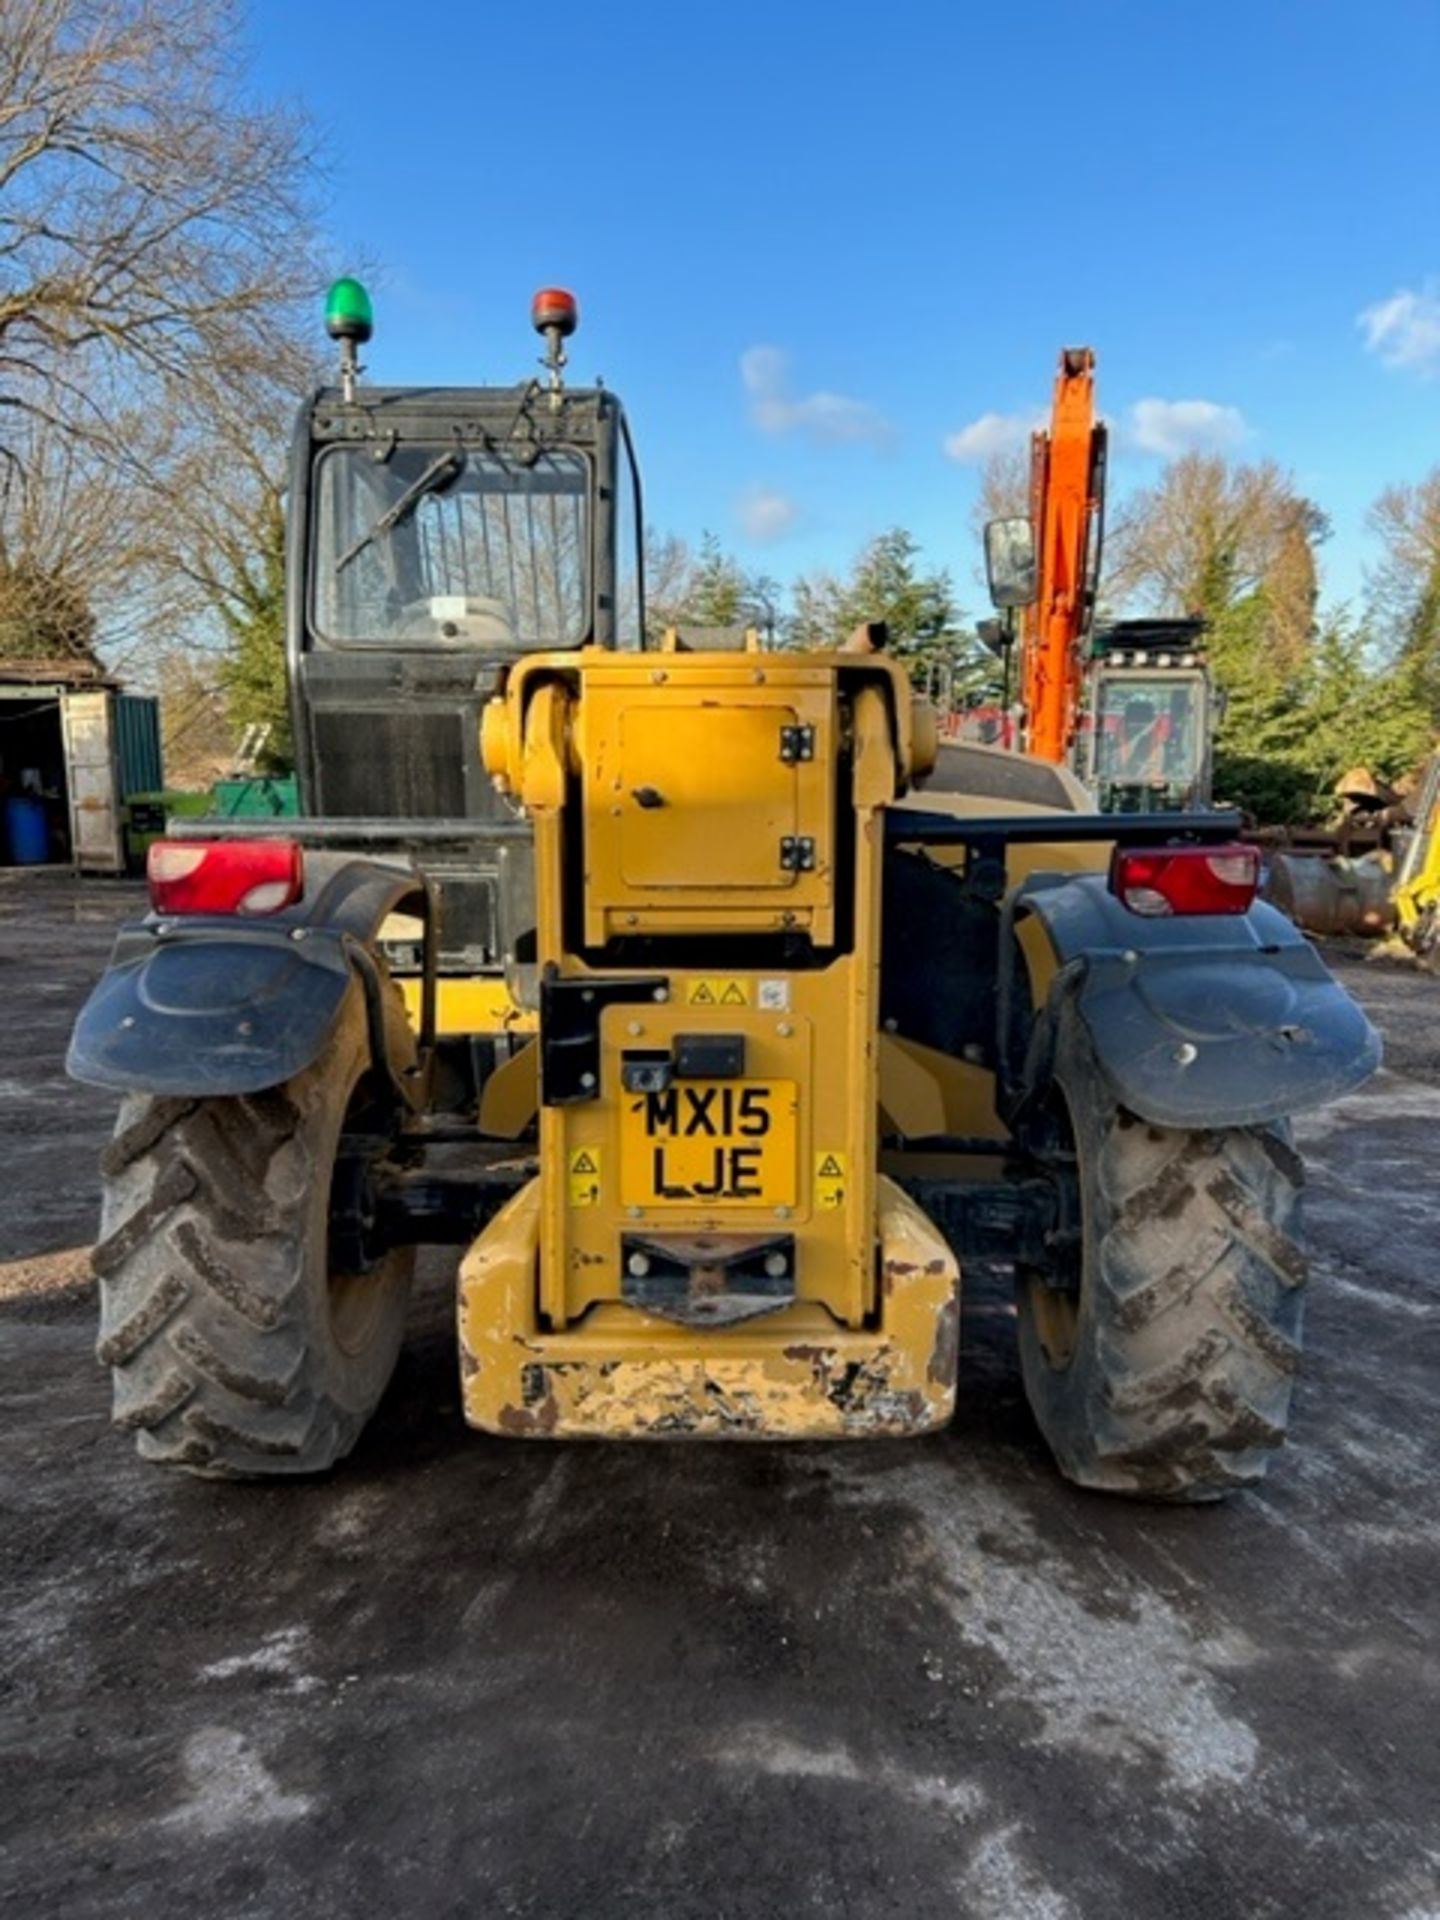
{"x":743,"y":1043}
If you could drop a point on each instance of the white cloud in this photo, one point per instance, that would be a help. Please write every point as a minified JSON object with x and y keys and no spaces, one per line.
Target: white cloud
{"x":767,"y":515}
{"x":829,"y":419}
{"x":1404,"y":331}
{"x":992,"y":433}
{"x":1165,"y":427}
{"x":1172,"y":427}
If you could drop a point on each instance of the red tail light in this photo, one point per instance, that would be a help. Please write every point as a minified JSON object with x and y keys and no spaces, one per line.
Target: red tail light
{"x":224,"y":876}
{"x":1159,"y":880}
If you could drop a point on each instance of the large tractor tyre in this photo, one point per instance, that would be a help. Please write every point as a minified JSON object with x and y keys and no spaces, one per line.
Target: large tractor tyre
{"x":237,"y":1347}
{"x":1160,"y":1348}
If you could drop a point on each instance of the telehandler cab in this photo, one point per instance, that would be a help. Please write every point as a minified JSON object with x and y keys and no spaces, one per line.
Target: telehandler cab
{"x":742,"y":1045}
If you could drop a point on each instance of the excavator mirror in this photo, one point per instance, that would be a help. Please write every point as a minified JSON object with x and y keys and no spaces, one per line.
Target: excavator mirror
{"x":1010,"y":561}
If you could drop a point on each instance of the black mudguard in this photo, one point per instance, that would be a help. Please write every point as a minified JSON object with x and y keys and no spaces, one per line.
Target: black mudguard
{"x":214,"y":1005}
{"x":1213,"y":1020}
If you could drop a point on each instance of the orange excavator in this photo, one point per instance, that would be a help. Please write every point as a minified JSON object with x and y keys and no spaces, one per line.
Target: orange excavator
{"x":1067,"y":495}
{"x":1129,"y":706}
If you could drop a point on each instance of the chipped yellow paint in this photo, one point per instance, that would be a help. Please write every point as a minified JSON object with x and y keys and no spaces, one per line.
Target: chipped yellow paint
{"x":796,"y":1375}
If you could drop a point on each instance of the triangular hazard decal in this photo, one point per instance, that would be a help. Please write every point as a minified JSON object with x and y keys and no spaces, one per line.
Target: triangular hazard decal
{"x":830,"y":1169}
{"x":583,"y":1163}
{"x":701,"y":996}
{"x":733,"y":996}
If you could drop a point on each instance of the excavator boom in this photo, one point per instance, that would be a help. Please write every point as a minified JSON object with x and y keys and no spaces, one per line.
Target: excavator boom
{"x":1067,"y":484}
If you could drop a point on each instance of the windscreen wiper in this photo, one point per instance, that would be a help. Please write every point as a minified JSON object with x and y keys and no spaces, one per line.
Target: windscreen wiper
{"x":441,"y":472}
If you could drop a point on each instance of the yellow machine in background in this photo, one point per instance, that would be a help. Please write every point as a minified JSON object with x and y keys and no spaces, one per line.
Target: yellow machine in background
{"x":708,"y":855}
{"x":1417,"y":887}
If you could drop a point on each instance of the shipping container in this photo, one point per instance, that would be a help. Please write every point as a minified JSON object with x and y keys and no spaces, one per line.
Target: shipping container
{"x":73,"y":747}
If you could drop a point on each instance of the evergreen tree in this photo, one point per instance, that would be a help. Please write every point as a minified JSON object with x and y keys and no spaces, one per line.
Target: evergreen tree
{"x":1288,"y":736}
{"x":716,"y":596}
{"x":886,"y":583}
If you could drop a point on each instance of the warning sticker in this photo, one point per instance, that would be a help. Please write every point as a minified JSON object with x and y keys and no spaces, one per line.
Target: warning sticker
{"x":726,"y":991}
{"x":774,"y":996}
{"x":584,"y":1176}
{"x":831,"y":1171}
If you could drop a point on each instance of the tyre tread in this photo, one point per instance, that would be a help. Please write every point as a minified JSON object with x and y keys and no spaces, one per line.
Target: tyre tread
{"x":204,"y":1283}
{"x":1189,"y":1335}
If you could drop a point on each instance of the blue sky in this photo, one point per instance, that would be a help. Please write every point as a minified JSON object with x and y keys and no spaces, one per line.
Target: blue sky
{"x":814,"y":244}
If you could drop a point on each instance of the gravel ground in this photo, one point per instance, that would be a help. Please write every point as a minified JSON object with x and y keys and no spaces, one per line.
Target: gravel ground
{"x":476,"y":1677}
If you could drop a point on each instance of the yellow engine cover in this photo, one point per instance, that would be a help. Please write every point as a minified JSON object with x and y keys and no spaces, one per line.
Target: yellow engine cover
{"x":708,"y":796}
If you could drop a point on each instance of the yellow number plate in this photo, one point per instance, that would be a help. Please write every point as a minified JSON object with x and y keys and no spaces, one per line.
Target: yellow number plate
{"x":707,"y":1143}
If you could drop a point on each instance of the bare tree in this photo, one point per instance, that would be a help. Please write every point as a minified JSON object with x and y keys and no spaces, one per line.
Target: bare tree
{"x":195,"y":729}
{"x":1208,"y":534}
{"x":670,"y":569}
{"x":69,"y":533}
{"x":211,"y":468}
{"x":153,"y":217}
{"x":212,"y":462}
{"x":1405,"y":586}
{"x":1004,"y":488}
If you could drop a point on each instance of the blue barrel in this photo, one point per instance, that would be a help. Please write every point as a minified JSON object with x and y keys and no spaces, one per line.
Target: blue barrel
{"x":26,"y":830}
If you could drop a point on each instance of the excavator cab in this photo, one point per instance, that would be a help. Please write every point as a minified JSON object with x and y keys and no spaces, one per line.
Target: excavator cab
{"x":1145,"y":737}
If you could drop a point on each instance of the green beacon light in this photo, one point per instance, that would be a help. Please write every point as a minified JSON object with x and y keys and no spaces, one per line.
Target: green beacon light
{"x":350,"y":319}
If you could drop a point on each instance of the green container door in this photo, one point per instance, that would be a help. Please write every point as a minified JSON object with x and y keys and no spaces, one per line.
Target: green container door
{"x":266,"y":796}
{"x":137,"y":744}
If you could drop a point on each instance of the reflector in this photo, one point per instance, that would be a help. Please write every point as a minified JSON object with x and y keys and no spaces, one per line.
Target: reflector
{"x":1180,"y":880}
{"x":224,"y":876}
